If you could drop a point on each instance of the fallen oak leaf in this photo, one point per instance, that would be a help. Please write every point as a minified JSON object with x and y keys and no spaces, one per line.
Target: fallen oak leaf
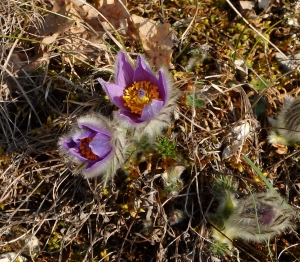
{"x":111,"y":13}
{"x":56,"y":22}
{"x":155,"y":38}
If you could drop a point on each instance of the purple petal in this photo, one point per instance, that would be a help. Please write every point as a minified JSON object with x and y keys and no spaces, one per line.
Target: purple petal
{"x":84,"y":133}
{"x":100,"y":145}
{"x":152,"y":110}
{"x":267,"y":215}
{"x":93,"y":166}
{"x":73,"y":140}
{"x":70,"y":143}
{"x":72,"y":147}
{"x":94,"y":124}
{"x":75,"y":152}
{"x":115,"y":93}
{"x":162,"y":87}
{"x":129,"y":117}
{"x":143,"y":72}
{"x":125,"y":71}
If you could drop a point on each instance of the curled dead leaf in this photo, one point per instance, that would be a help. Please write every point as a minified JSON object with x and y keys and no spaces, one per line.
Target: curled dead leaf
{"x":237,"y":139}
{"x":155,"y":38}
{"x":280,"y":149}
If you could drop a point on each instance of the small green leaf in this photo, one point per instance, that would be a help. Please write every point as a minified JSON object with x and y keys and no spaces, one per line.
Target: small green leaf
{"x":166,"y":147}
{"x":260,"y":107}
{"x":193,"y":100}
{"x":258,"y":84}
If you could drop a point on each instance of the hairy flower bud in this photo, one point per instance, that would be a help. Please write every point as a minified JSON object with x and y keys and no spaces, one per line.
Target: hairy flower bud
{"x":258,"y":218}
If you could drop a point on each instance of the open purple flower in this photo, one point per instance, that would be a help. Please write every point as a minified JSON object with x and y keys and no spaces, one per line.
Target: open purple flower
{"x":145,"y":101}
{"x":95,"y":145}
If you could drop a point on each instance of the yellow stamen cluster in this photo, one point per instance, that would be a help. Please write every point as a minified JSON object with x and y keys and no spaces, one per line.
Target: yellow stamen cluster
{"x":85,"y":150}
{"x":140,"y":94}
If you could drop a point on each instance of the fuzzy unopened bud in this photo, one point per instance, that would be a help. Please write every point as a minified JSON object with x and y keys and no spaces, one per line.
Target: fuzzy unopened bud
{"x":287,"y":124}
{"x":258,"y":218}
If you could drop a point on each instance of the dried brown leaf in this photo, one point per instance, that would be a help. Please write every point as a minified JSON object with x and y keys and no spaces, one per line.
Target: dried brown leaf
{"x":156,"y":39}
{"x":280,"y":149}
{"x":113,"y":11}
{"x":55,"y":23}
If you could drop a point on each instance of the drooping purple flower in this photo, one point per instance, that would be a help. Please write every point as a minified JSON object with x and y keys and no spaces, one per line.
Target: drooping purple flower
{"x":95,"y":145}
{"x":258,"y":218}
{"x":265,"y":214}
{"x":145,"y":101}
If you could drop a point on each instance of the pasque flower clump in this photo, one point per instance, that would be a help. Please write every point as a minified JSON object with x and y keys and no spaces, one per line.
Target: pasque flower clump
{"x":145,"y":101}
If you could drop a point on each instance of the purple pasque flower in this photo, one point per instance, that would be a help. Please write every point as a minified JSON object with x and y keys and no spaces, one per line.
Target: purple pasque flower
{"x":257,"y":218}
{"x":94,"y":144}
{"x":261,"y":216}
{"x":145,"y":101}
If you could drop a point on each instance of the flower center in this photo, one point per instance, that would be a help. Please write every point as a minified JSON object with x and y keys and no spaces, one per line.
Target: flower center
{"x":140,"y":94}
{"x":85,"y":150}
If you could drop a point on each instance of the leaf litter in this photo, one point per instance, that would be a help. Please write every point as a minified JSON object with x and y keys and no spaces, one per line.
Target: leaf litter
{"x":54,"y":50}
